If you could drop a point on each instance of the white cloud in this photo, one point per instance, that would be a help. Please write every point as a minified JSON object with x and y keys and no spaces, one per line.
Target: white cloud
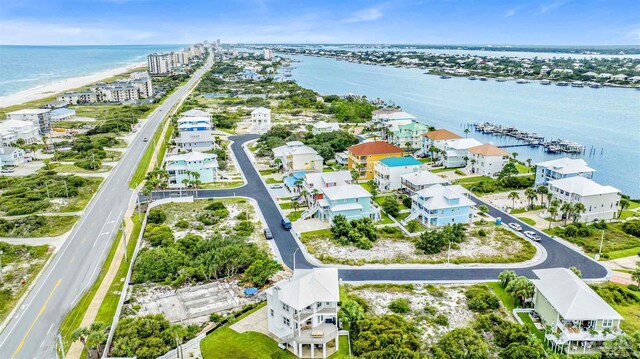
{"x":510,"y":12}
{"x":370,"y":14}
{"x":551,"y":6}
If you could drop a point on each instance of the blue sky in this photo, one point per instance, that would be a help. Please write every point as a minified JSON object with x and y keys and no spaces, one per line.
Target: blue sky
{"x":543,"y":22}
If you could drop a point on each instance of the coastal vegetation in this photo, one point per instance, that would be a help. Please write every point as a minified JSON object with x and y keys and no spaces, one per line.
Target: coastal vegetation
{"x":589,"y":236}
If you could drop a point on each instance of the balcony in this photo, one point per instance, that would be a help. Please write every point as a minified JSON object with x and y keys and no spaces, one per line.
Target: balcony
{"x":317,"y":335}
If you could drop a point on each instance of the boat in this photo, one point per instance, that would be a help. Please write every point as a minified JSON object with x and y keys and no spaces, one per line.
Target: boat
{"x":501,"y":79}
{"x":545,"y":82}
{"x":562,"y":83}
{"x":522,"y":81}
{"x":483,"y":79}
{"x":594,"y":85}
{"x":471,"y":78}
{"x":445,"y":77}
{"x":577,"y":84}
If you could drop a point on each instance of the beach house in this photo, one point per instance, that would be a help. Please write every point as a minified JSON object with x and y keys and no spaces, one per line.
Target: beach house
{"x":561,"y":168}
{"x":41,"y":118}
{"x":302,"y":312}
{"x":436,"y":138}
{"x":62,"y":114}
{"x":404,"y":133}
{"x":12,"y":156}
{"x":14,"y":130}
{"x":195,"y":133}
{"x":380,"y":117}
{"x":411,"y":183}
{"x":600,"y":202}
{"x":196,"y":113}
{"x":349,"y":200}
{"x":363,"y":156}
{"x":486,"y":160}
{"x":440,"y":205}
{"x":191,"y":166}
{"x":388,"y":171}
{"x":324,"y":127}
{"x":294,"y":156}
{"x":455,"y":152}
{"x":580,"y":320}
{"x":314,"y":183}
{"x":260,"y":120}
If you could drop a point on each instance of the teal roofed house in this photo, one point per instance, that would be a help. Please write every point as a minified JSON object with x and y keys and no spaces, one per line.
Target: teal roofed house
{"x":388,"y":172}
{"x":405,"y":133}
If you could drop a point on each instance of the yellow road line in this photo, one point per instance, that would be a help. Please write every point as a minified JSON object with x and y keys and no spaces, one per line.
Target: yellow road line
{"x":44,"y":306}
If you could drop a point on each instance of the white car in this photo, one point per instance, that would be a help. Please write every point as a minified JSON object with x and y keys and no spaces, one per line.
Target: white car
{"x":277,"y":186}
{"x":515,"y":227}
{"x":532,"y":236}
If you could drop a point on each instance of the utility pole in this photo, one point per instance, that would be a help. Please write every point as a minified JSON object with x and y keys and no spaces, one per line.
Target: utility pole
{"x":139,"y":205}
{"x":449,"y":253}
{"x":124,"y":239}
{"x":1,"y":274}
{"x":601,"y":240}
{"x":46,"y":184}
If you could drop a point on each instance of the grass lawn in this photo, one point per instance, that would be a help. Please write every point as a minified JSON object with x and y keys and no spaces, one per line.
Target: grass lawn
{"x":143,"y":165}
{"x":85,"y":193}
{"x":472,"y":180}
{"x":384,"y":219}
{"x":70,"y":168}
{"x":380,"y":200}
{"x":522,"y":168}
{"x":425,"y":160}
{"x":528,"y":221}
{"x":328,"y":169}
{"x":506,"y":299}
{"x":268,"y":171}
{"x":56,"y":225}
{"x":624,"y":301}
{"x":366,"y":186}
{"x":320,"y":233}
{"x":532,"y":328}
{"x":273,"y":181}
{"x":294,"y":216}
{"x":615,"y":240}
{"x":438,"y":170}
{"x":163,"y":145}
{"x":632,"y":211}
{"x":219,"y":185}
{"x":622,"y":253}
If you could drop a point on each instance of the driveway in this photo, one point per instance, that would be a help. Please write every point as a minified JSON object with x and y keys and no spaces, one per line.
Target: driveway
{"x":558,"y":255}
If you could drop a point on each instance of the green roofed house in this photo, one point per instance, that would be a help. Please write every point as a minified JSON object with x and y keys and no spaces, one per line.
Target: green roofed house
{"x":388,"y":171}
{"x":404,"y":133}
{"x":580,"y":320}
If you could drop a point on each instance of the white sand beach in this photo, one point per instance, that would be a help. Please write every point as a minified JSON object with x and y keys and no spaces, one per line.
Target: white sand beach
{"x":62,"y":86}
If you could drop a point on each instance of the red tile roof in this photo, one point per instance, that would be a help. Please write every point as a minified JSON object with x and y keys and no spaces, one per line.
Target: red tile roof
{"x":374,"y":148}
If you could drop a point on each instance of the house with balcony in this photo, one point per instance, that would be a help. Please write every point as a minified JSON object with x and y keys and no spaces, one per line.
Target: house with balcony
{"x":195,"y":134}
{"x":486,"y":160}
{"x":600,"y":202}
{"x":388,"y":171}
{"x":456,"y":152}
{"x":363,"y":157}
{"x":41,"y":118}
{"x":580,"y":320}
{"x":436,"y":139}
{"x":349,"y":200}
{"x":302,"y":312}
{"x":440,"y":205}
{"x":413,"y":182}
{"x":404,"y":133}
{"x":191,"y":166}
{"x":295,"y":156}
{"x":196,"y":113}
{"x":260,"y":121}
{"x":382,"y":116}
{"x":14,"y":130}
{"x":314,"y":183}
{"x":561,"y":168}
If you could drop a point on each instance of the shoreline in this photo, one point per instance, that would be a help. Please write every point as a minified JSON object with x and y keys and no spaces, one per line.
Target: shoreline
{"x":43,"y":91}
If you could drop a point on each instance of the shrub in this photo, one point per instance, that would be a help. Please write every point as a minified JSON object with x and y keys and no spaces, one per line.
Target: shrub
{"x":459,"y":173}
{"x":400,"y":306}
{"x":242,"y":216}
{"x":182,"y":224}
{"x":260,"y":271}
{"x":214,"y":206}
{"x":413,"y":225}
{"x":244,"y":228}
{"x":481,"y":299}
{"x":391,"y":206}
{"x":406,"y":201}
{"x":156,"y":216}
{"x":158,"y":235}
{"x":215,"y":317}
{"x":482,"y":233}
{"x":441,"y":320}
{"x":633,"y":287}
{"x":359,"y":232}
{"x":429,"y":310}
{"x":632,"y":227}
{"x":88,"y":164}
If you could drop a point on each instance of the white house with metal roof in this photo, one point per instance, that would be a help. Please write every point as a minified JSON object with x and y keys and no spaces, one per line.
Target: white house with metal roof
{"x":295,"y":156}
{"x":440,"y":205}
{"x":413,"y":182}
{"x":41,"y":118}
{"x":600,"y":202}
{"x":62,"y":114}
{"x":580,"y":320}
{"x":196,"y":113}
{"x":314,"y":183}
{"x":324,"y":127}
{"x":195,"y":133}
{"x":560,"y":168}
{"x":382,"y":116}
{"x":260,"y":120}
{"x":302,"y":312}
{"x":349,"y":200}
{"x":191,"y":166}
{"x":455,"y":152}
{"x":14,"y":130}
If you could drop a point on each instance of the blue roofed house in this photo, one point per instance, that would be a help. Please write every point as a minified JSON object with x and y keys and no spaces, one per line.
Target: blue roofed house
{"x":195,"y":133}
{"x":349,"y":200}
{"x":388,"y":171}
{"x":440,"y":205}
{"x":62,"y":114}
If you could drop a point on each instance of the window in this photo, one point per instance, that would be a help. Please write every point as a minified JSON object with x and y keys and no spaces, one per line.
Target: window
{"x":607,"y":323}
{"x":286,"y":321}
{"x":271,"y":311}
{"x":285,"y":307}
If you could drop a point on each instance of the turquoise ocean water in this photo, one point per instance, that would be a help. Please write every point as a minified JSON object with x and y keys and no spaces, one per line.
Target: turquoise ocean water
{"x":25,"y":67}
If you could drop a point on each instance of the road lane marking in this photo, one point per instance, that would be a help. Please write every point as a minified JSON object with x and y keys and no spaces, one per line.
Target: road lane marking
{"x":44,"y":306}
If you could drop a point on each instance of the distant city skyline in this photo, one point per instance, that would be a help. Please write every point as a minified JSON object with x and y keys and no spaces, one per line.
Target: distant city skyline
{"x":106,"y":22}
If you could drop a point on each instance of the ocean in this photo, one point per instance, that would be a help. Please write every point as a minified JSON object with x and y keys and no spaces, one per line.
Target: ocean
{"x":25,"y":67}
{"x":606,"y":120}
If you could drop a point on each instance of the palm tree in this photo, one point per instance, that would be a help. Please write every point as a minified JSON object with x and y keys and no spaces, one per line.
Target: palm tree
{"x":553,"y":211}
{"x":278,"y":163}
{"x":528,"y":164}
{"x":407,"y":144}
{"x":513,"y":196}
{"x":466,"y":132}
{"x":624,"y":204}
{"x":549,"y":197}
{"x":304,"y":194}
{"x":578,"y":209}
{"x":514,"y":155}
{"x":531,"y":194}
{"x":81,"y":335}
{"x":542,"y":190}
{"x":566,"y":209}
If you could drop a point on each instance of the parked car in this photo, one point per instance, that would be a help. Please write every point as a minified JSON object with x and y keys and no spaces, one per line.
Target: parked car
{"x":7,"y":170}
{"x":145,"y":139}
{"x":515,"y":227}
{"x":267,"y":233}
{"x":286,"y":224}
{"x":532,"y":236}
{"x":277,"y":186}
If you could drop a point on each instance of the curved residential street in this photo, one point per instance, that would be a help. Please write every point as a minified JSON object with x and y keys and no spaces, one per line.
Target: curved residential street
{"x":558,"y":254}
{"x":32,"y":330}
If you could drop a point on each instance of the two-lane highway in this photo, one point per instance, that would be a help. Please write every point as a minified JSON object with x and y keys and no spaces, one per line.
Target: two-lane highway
{"x":31,"y":332}
{"x":558,"y":255}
